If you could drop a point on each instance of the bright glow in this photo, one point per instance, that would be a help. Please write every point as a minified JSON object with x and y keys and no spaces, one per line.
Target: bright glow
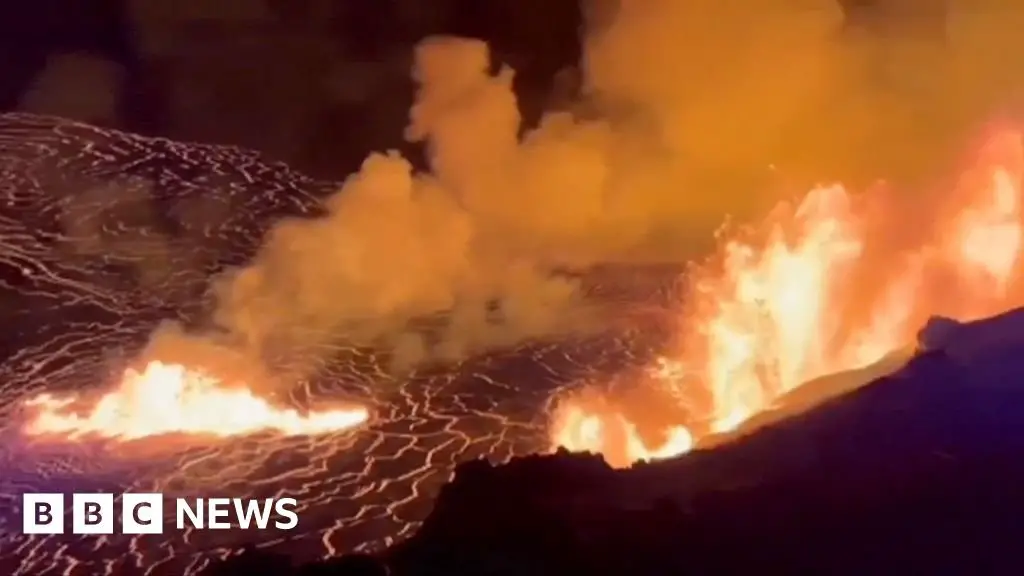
{"x":826,"y":286}
{"x":615,"y":437}
{"x":169,"y":399}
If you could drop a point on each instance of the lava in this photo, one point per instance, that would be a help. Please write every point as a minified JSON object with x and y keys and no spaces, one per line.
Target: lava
{"x":819,"y":290}
{"x":171,"y":399}
{"x":736,"y":354}
{"x":584,"y":429}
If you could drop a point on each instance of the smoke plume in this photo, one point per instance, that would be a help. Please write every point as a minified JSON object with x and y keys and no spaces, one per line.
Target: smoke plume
{"x":692,"y":110}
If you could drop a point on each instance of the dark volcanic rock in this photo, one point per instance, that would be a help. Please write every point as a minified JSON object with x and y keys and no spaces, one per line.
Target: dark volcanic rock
{"x":917,"y":472}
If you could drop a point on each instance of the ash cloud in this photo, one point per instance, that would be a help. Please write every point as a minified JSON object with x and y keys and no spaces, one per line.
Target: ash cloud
{"x":692,"y":110}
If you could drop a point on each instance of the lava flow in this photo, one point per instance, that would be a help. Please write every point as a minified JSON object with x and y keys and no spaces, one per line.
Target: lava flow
{"x":171,"y":399}
{"x":831,"y":285}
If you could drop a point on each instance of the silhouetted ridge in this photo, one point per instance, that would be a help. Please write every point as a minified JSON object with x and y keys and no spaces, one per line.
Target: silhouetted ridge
{"x":916,"y":472}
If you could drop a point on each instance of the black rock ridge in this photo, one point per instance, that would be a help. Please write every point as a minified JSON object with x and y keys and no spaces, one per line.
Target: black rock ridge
{"x":916,"y":472}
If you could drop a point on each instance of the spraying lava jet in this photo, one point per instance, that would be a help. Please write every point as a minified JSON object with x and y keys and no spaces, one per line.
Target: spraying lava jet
{"x":818,"y":290}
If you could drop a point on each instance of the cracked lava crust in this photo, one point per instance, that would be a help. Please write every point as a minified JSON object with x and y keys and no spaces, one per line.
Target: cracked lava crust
{"x":72,"y":316}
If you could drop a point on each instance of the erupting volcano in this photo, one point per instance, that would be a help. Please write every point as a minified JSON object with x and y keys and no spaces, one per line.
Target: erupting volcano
{"x":818,"y":289}
{"x":521,"y":290}
{"x":833,"y":282}
{"x":830,"y":285}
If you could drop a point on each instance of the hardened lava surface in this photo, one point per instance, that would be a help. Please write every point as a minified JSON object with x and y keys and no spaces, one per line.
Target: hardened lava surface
{"x":104,"y":234}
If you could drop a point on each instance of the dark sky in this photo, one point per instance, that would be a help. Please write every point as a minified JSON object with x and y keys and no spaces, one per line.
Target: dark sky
{"x":317,"y":83}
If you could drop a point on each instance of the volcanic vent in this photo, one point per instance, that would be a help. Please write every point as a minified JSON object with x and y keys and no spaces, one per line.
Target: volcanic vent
{"x":831,"y":284}
{"x":782,"y":303}
{"x":379,"y":334}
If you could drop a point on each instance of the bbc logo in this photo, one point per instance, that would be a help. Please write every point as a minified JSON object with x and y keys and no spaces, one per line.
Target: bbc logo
{"x":92,"y":513}
{"x":144,"y":513}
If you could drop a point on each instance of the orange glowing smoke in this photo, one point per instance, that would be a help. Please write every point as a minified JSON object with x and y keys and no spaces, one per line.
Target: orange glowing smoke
{"x":169,"y":399}
{"x":827,"y":286}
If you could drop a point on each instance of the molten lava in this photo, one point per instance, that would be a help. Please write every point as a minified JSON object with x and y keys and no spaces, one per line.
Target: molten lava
{"x":170,"y":399}
{"x":828,"y":286}
{"x":615,"y":437}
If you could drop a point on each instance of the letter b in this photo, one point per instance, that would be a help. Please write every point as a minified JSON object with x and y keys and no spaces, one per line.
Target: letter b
{"x":92,"y":514}
{"x":42,"y":513}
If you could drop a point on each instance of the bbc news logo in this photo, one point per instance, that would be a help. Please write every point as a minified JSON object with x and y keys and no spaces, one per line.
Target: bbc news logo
{"x":144,"y":513}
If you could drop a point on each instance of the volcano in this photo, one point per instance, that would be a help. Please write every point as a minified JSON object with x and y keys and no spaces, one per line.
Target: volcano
{"x":914,"y":471}
{"x":106,"y":238}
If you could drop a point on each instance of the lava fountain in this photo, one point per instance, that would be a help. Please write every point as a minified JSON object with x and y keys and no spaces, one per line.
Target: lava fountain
{"x":831,"y":284}
{"x":171,"y":399}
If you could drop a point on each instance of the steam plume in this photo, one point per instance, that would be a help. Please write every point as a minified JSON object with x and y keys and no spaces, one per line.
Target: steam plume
{"x":697,"y":109}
